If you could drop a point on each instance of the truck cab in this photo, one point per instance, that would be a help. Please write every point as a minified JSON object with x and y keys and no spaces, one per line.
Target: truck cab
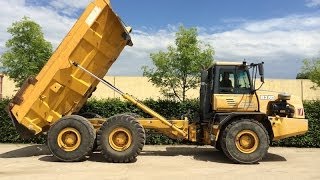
{"x":229,"y":94}
{"x":228,"y":87}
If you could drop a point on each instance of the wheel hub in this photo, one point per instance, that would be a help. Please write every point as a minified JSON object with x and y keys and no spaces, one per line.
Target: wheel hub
{"x":69,"y":139}
{"x":120,"y":139}
{"x":247,"y":141}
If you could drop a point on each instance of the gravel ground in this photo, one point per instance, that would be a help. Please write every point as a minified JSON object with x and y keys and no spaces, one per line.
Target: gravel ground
{"x":158,"y":162}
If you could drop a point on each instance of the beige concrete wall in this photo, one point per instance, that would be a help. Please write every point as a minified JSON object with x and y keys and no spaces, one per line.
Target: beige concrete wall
{"x":307,"y":92}
{"x":140,"y":88}
{"x":8,"y":87}
{"x":297,"y":87}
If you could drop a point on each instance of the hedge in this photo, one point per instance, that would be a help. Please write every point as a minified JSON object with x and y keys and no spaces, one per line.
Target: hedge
{"x":8,"y":133}
{"x":169,"y":109}
{"x":312,"y":137}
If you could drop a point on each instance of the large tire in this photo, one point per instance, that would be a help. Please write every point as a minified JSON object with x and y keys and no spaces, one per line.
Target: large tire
{"x":90,"y":115}
{"x":245,"y":141}
{"x":121,"y":139}
{"x":71,"y":138}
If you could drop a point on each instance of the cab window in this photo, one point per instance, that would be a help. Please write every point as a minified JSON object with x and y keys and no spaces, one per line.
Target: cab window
{"x":233,"y":81}
{"x":226,"y":81}
{"x":243,"y":85}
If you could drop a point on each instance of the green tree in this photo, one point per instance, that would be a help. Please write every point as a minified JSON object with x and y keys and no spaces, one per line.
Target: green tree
{"x":27,"y":52}
{"x":178,"y":70}
{"x":312,"y":69}
{"x":303,"y":75}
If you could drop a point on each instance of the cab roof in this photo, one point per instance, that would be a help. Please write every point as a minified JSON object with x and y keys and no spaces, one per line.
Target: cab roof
{"x":227,"y":63}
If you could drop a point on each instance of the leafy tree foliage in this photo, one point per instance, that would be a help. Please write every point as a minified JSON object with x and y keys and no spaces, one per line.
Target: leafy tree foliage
{"x":27,"y":51}
{"x":312,"y":69}
{"x":304,"y":75}
{"x":178,"y":70}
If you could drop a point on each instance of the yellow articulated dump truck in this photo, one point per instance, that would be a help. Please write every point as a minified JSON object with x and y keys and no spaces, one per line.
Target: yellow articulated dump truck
{"x":235,"y":117}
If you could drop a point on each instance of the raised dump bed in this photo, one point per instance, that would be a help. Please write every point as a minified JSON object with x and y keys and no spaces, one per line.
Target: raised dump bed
{"x":94,"y":42}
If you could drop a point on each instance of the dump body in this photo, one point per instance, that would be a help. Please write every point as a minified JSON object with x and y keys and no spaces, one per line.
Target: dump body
{"x":94,"y":42}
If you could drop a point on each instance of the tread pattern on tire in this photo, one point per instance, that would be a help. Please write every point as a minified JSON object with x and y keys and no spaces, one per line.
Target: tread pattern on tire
{"x":227,"y":130}
{"x":83,"y":150}
{"x":138,"y":138}
{"x":90,"y":115}
{"x":96,"y":148}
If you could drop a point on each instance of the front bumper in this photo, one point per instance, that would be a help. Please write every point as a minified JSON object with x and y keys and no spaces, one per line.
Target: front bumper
{"x":283,"y":127}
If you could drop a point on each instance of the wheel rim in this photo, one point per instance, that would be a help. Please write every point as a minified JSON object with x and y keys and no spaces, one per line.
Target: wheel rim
{"x":69,"y":139}
{"x":247,"y":141}
{"x":120,"y":139}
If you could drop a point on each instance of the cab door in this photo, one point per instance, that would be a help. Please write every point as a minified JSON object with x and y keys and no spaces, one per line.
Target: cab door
{"x":233,"y":90}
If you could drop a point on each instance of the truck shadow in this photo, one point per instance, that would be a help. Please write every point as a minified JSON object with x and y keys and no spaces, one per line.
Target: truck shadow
{"x":205,"y":154}
{"x":198,"y":153}
{"x":29,"y":151}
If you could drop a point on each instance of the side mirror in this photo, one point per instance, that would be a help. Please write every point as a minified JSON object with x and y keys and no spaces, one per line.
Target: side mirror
{"x":261,"y":71}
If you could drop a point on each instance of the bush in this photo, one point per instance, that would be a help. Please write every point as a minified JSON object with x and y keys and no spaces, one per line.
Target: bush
{"x":8,"y":133}
{"x":105,"y":108}
{"x":169,"y":109}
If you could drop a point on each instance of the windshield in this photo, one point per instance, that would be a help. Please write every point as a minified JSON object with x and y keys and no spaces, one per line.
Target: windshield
{"x":243,"y":79}
{"x":234,"y":80}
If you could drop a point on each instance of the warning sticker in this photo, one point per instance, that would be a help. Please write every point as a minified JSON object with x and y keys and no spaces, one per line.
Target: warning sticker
{"x":300,"y":111}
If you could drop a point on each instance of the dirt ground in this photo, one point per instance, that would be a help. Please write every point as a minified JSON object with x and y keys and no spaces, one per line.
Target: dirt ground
{"x":158,"y":162}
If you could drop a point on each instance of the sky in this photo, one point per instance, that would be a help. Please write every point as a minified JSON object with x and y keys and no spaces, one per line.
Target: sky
{"x":280,"y":33}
